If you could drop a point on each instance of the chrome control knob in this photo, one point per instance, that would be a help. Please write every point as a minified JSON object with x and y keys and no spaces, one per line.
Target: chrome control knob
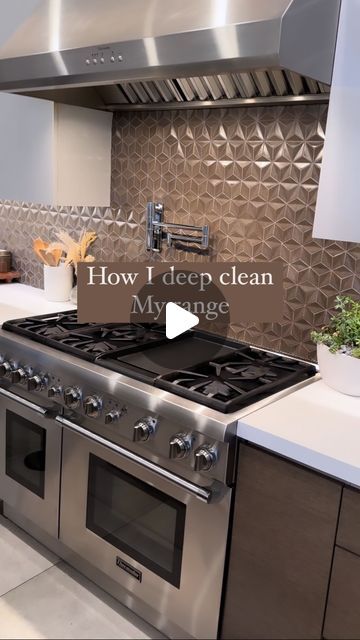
{"x":36,"y":383}
{"x":205,"y":458}
{"x":72,"y":397}
{"x":92,"y":406}
{"x":19,"y":376}
{"x":5,"y":369}
{"x":55,"y":392}
{"x":112,"y":417}
{"x":144,"y":429}
{"x":180,"y":446}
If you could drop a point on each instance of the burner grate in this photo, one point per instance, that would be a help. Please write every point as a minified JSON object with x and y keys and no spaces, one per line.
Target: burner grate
{"x":88,"y":341}
{"x":112,"y":339}
{"x":233,"y":382}
{"x":48,"y":326}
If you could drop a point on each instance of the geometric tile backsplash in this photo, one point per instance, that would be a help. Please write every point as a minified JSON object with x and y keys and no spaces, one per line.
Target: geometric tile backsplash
{"x":251,"y":174}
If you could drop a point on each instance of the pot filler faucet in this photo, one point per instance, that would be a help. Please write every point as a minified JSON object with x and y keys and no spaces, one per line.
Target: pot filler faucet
{"x":157,"y":230}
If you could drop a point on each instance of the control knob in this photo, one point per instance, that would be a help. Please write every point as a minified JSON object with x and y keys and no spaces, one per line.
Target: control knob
{"x":205,"y":458}
{"x":113,"y":416}
{"x":54,"y":392}
{"x":180,"y":446}
{"x":92,"y":406}
{"x":19,"y":376}
{"x":72,"y":397}
{"x":36,"y":383}
{"x":144,"y":429}
{"x":5,"y":369}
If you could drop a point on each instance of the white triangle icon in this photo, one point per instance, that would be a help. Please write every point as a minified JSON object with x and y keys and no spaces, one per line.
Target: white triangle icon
{"x":178,"y":320}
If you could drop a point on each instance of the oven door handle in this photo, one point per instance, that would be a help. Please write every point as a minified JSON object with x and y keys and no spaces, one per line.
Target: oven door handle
{"x":22,"y":401}
{"x":199,"y":492}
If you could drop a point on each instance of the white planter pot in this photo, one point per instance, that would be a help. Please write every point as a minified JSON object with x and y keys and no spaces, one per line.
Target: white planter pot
{"x":339,"y":371}
{"x":58,"y":282}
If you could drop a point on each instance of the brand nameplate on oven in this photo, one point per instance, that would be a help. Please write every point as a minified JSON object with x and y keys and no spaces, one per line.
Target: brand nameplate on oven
{"x":135,"y":573}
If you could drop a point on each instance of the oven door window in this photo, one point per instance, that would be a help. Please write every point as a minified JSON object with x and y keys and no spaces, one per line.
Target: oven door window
{"x":146,"y":524}
{"x":25,"y":453}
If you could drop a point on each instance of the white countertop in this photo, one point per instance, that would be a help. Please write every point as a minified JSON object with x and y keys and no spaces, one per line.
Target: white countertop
{"x":315,"y":426}
{"x":19,"y":301}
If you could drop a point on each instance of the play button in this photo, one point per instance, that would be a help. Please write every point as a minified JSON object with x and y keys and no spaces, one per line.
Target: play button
{"x":173,"y":310}
{"x":178,"y":320}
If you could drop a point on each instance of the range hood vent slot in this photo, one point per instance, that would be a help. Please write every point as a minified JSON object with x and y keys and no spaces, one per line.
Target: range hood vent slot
{"x":258,"y":87}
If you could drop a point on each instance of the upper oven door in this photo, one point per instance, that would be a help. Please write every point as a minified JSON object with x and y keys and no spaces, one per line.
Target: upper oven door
{"x":30,"y":458}
{"x":152,"y":536}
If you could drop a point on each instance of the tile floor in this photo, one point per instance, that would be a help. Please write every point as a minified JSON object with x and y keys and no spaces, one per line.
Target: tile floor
{"x":42,"y":597}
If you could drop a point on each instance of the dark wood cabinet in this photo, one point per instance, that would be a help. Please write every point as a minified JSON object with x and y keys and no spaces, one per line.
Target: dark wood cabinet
{"x":283,"y":538}
{"x":348,"y":535}
{"x":342,"y":618}
{"x":343,"y":611}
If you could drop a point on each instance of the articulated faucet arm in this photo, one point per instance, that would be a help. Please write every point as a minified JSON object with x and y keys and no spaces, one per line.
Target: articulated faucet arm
{"x":157,"y":230}
{"x":180,"y":227}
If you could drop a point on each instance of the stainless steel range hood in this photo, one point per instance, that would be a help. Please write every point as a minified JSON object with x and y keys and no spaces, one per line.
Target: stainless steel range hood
{"x":165,"y":52}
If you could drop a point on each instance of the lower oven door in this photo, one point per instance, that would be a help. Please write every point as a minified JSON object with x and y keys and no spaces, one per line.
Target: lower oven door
{"x":163,"y":545}
{"x":30,"y":458}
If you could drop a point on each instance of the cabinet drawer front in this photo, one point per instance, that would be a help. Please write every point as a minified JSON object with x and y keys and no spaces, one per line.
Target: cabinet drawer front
{"x":343,"y":612}
{"x":349,"y":524}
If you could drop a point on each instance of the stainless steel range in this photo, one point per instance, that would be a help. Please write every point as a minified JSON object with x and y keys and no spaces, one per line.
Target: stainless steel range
{"x":118,"y":450}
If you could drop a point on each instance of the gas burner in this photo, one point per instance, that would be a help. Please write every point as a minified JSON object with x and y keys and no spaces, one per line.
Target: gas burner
{"x":246,"y":371}
{"x":229,"y":383}
{"x":49,"y":332}
{"x":207,"y":385}
{"x":139,"y":333}
{"x":88,"y":341}
{"x":112,"y":340}
{"x":84,"y":343}
{"x":48,"y":326}
{"x":216,"y":388}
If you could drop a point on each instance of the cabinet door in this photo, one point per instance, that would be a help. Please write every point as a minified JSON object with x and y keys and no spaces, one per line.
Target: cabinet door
{"x":281,"y":549}
{"x":343,"y":612}
{"x":26,"y":149}
{"x":348,"y":535}
{"x":54,"y":154}
{"x":83,"y":156}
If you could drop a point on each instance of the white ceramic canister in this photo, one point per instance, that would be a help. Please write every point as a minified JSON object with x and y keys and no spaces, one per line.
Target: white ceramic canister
{"x":58,"y":282}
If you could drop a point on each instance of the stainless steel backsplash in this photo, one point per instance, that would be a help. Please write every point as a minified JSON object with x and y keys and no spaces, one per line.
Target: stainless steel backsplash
{"x":251,"y":174}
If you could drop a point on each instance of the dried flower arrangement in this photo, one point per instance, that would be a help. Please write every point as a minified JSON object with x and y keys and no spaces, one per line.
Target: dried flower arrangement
{"x":65,"y":248}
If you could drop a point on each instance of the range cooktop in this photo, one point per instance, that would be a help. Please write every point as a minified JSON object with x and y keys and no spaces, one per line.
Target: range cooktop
{"x":199,"y":366}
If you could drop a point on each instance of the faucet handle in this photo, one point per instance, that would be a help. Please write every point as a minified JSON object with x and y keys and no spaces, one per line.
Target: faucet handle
{"x":159,"y":208}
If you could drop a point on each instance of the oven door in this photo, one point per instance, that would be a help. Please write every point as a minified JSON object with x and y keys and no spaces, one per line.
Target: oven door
{"x":30,"y":450}
{"x":161,"y":539}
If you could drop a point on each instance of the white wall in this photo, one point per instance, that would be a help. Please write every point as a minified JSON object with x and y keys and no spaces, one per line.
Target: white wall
{"x":13,"y":13}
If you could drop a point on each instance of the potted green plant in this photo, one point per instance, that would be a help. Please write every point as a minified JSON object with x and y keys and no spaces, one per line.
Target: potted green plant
{"x":338,"y":347}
